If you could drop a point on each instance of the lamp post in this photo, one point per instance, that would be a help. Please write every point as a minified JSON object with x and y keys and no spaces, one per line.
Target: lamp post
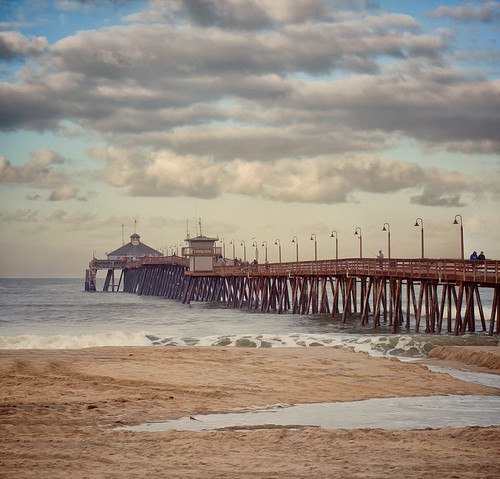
{"x":296,"y":241}
{"x":336,"y":236}
{"x":278,"y":242}
{"x":244,"y":250}
{"x":388,"y":229}
{"x":264,"y":243}
{"x":254,"y":244}
{"x":223,"y":249}
{"x":357,"y":232}
{"x":234,"y":254}
{"x":461,"y":232}
{"x":421,"y":233}
{"x":315,"y":247}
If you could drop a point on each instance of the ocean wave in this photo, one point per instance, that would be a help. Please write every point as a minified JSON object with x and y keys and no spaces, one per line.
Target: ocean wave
{"x":64,"y":341}
{"x":481,"y":358}
{"x":401,"y":346}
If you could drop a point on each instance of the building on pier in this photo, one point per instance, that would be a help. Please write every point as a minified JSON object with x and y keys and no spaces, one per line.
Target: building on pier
{"x":202,"y":253}
{"x":116,"y":260}
{"x":133,"y":251}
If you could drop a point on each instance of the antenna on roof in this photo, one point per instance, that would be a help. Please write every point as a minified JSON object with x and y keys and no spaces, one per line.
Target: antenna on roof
{"x":123,"y":239}
{"x":135,"y":225}
{"x":187,"y":228}
{"x":200,"y":226}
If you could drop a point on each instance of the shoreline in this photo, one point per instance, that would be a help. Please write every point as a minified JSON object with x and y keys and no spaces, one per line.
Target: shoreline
{"x":58,"y":408}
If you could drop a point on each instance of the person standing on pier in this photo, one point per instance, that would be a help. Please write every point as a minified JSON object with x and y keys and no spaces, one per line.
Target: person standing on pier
{"x":481,"y":256}
{"x":473,"y":256}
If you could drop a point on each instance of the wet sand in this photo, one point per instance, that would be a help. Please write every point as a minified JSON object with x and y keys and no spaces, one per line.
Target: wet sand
{"x":58,"y":409}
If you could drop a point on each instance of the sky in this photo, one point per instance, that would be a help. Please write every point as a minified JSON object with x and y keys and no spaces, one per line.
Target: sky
{"x":266,"y":119}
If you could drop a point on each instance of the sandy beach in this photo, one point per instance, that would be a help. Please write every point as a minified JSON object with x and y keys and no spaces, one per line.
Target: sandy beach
{"x":59,"y":409}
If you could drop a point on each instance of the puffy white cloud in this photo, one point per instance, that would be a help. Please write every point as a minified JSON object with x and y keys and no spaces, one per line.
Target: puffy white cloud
{"x":40,"y":172}
{"x":319,"y":180}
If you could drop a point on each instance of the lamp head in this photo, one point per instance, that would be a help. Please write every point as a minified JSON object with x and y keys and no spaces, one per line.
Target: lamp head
{"x":384,"y":229}
{"x":455,"y":222}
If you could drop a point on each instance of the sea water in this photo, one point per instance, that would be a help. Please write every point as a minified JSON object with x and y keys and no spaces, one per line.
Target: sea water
{"x":382,"y":413}
{"x":59,"y":314}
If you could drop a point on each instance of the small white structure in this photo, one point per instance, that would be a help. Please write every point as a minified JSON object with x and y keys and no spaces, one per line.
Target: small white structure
{"x":202,"y":253}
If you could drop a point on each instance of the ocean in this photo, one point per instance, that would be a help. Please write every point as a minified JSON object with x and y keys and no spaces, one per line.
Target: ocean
{"x":59,"y":314}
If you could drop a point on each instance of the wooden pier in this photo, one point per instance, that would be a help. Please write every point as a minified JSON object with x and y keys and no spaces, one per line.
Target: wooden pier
{"x":431,"y":295}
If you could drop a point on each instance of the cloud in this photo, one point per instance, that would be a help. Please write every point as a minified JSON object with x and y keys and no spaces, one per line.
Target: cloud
{"x":434,"y":198}
{"x":234,"y":92}
{"x":40,"y":172}
{"x":257,"y":98}
{"x":247,"y":14}
{"x":486,"y":11}
{"x":19,"y":216}
{"x":13,"y":45}
{"x":77,"y":218}
{"x":326,"y":180}
{"x":73,"y":5}
{"x":63,"y":192}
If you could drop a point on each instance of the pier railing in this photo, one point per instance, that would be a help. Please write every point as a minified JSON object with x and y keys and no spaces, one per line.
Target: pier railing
{"x":175,"y":260}
{"x":107,"y":263}
{"x":440,"y":269}
{"x":443,"y":270}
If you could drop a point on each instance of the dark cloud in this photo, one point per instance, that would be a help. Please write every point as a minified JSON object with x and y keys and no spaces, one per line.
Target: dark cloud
{"x":13,"y":46}
{"x":247,"y":14}
{"x":433,"y":198}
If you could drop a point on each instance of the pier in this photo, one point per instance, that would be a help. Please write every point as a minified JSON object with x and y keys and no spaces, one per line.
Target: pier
{"x":423,"y":295}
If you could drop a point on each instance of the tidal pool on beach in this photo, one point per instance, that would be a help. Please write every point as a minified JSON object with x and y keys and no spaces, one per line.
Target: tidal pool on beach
{"x":386,"y":413}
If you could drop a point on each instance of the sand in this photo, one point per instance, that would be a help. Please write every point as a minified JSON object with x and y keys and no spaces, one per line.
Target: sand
{"x":59,"y":408}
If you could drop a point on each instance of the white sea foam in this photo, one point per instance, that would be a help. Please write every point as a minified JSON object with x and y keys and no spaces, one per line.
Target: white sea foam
{"x":401,"y":346}
{"x":62,"y":341}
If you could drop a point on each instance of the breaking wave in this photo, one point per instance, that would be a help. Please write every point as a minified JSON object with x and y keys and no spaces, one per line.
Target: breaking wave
{"x":401,"y":346}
